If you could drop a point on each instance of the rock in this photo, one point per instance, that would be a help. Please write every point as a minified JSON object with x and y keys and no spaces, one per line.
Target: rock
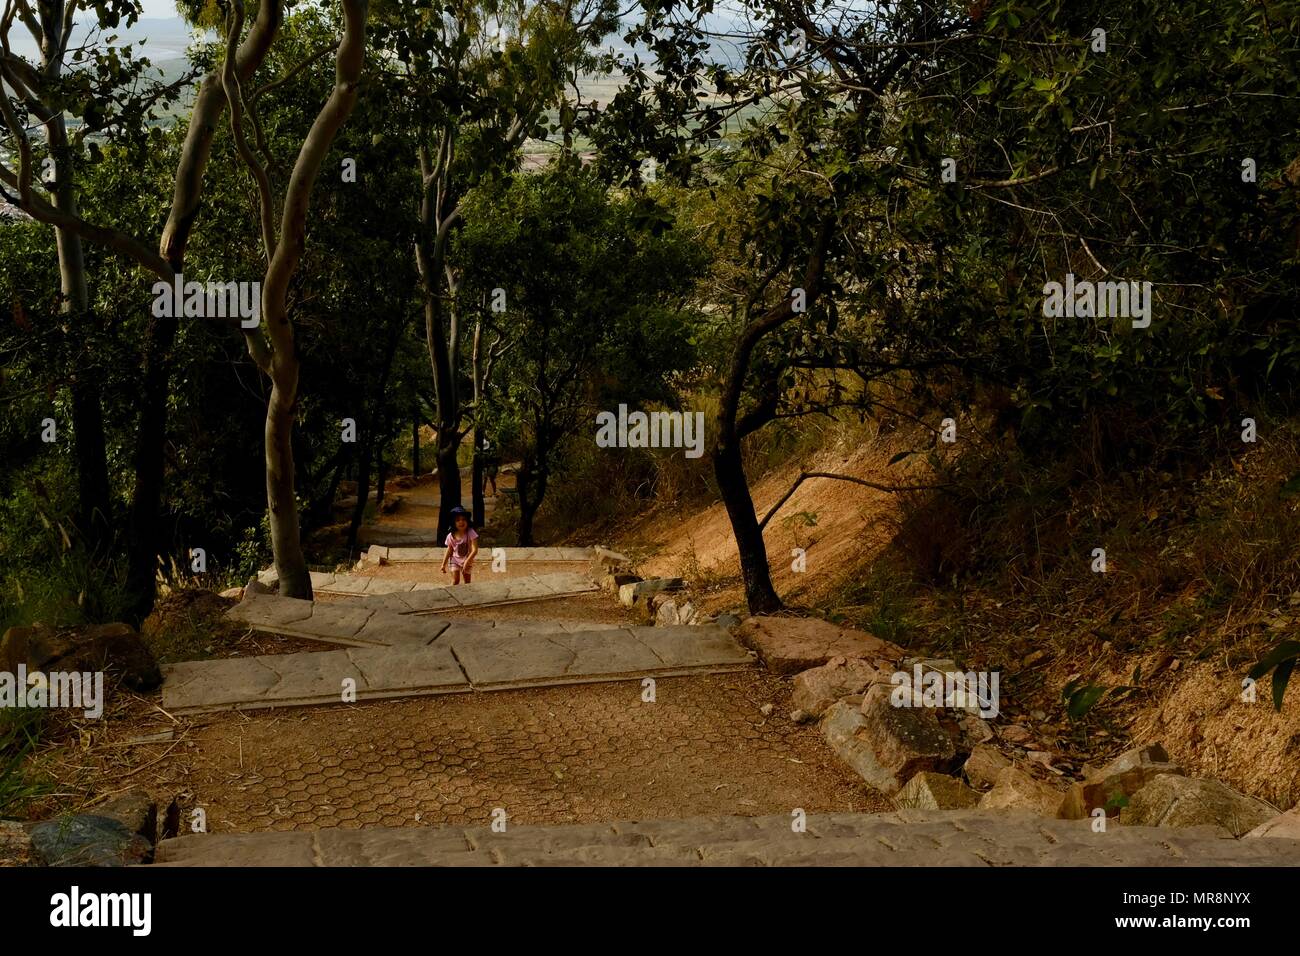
{"x":1013,"y":789}
{"x":1015,"y":734}
{"x":801,"y":717}
{"x":15,"y":844}
{"x":843,"y":726}
{"x":670,"y":613}
{"x":88,"y":840}
{"x":1285,"y":826}
{"x":135,"y":810}
{"x":270,"y":577}
{"x":376,"y":554}
{"x":1113,"y":785}
{"x":611,"y":560}
{"x":971,"y":732}
{"x":766,"y":710}
{"x":1171,"y":800}
{"x":236,"y":593}
{"x":615,"y":582}
{"x":113,"y":648}
{"x":817,"y":688}
{"x":935,"y":791}
{"x":788,"y":645}
{"x":983,"y":766}
{"x":727,"y":621}
{"x":887,"y":745}
{"x":630,"y":595}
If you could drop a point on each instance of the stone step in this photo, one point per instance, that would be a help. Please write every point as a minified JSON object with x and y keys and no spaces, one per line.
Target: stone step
{"x":465,"y":657}
{"x":352,"y":625}
{"x":903,"y":838}
{"x":397,"y":555}
{"x":431,"y":599}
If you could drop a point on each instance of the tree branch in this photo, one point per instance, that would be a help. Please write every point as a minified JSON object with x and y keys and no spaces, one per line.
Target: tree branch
{"x":857,"y":481}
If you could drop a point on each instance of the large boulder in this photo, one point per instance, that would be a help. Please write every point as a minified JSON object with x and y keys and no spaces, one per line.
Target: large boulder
{"x":818,"y":687}
{"x":1113,"y":785}
{"x":113,"y":648}
{"x":1176,"y":801}
{"x":788,"y":645}
{"x":935,"y":791}
{"x":1014,"y":789}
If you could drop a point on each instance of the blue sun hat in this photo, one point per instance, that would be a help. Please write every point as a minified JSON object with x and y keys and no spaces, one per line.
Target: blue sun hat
{"x":456,"y":512}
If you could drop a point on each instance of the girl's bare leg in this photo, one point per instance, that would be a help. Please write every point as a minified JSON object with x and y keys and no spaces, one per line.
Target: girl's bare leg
{"x":455,"y":576}
{"x":467,"y":573}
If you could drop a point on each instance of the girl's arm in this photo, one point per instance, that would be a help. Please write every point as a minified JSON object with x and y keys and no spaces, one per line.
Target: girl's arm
{"x":445,"y":558}
{"x":473,"y":552}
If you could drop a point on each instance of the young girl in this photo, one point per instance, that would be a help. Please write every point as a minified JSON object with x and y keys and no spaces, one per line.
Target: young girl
{"x":462,"y":546}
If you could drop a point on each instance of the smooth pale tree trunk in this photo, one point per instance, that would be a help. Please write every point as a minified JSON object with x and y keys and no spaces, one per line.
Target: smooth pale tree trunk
{"x":282,"y":507}
{"x":144,"y":538}
{"x":274,"y":349}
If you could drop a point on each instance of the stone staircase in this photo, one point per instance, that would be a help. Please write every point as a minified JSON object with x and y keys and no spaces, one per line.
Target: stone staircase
{"x":395,"y":645}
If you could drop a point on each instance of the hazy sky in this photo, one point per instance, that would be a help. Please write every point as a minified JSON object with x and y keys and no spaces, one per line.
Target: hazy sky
{"x":158,"y":8}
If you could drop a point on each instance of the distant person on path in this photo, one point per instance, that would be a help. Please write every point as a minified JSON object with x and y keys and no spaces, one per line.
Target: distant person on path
{"x":462,"y":546}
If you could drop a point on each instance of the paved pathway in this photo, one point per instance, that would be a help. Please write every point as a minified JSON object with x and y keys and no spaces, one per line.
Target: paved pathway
{"x":425,"y":599}
{"x":464,"y":658}
{"x":903,"y":838}
{"x":398,"y":555}
{"x":352,"y":625}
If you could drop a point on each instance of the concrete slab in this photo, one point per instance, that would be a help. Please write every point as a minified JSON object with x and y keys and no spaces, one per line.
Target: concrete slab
{"x":290,"y":680}
{"x":335,"y":622}
{"x":539,"y":587}
{"x":467,"y":656}
{"x":499,"y":661}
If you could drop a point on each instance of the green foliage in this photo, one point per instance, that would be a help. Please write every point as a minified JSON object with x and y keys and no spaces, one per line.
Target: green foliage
{"x":1281,"y":661}
{"x":19,"y":735}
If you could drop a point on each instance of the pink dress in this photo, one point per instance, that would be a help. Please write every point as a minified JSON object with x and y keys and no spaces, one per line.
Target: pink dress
{"x":460,"y":547}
